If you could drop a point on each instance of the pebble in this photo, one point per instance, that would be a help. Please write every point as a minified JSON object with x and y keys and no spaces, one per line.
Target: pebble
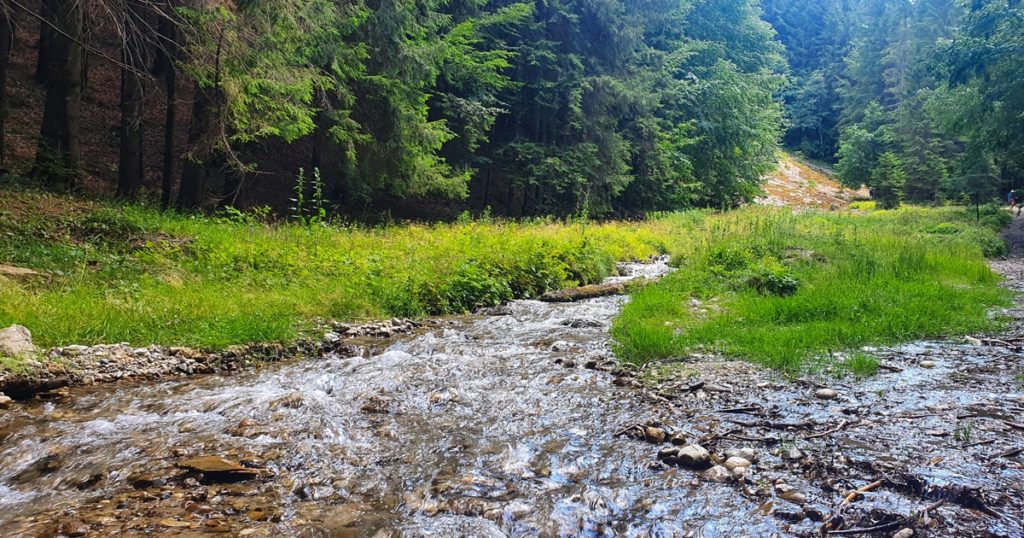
{"x":794,"y":454}
{"x":746,"y":453}
{"x":736,"y":461}
{"x":927,"y":364}
{"x":694,"y":457}
{"x":904,"y":533}
{"x":655,"y":435}
{"x":826,"y":394}
{"x":718,"y":474}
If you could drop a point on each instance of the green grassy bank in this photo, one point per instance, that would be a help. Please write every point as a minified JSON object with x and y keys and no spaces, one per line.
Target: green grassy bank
{"x":134,"y":274}
{"x":784,"y":289}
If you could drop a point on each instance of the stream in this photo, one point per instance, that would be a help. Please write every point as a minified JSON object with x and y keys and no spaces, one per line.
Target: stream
{"x":467,"y":430}
{"x":505,"y":423}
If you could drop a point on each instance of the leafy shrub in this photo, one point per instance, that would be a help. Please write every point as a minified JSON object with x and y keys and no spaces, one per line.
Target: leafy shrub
{"x":772,"y":278}
{"x":944,"y":228}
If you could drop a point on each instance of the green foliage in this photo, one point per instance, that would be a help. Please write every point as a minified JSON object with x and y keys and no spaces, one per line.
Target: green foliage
{"x":888,"y":181}
{"x":134,"y":274}
{"x":880,"y":278}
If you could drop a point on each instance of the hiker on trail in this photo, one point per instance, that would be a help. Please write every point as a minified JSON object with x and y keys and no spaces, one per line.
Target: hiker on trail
{"x":1014,"y":201}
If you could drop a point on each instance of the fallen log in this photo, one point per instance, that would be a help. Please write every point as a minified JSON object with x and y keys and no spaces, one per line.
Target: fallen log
{"x":585,"y":292}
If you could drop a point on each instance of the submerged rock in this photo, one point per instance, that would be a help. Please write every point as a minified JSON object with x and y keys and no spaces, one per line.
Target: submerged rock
{"x":746,"y":453}
{"x":717,"y":474}
{"x":736,"y":461}
{"x":216,"y":468}
{"x":694,"y":457}
{"x":826,"y":394}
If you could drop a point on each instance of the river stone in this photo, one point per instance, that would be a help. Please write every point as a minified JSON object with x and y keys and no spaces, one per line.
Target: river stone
{"x":5,"y":401}
{"x":217,"y":468}
{"x":16,"y":341}
{"x":794,"y":454}
{"x":904,"y":533}
{"x":694,"y":457}
{"x":736,"y":461}
{"x":826,"y":394}
{"x":794,"y":497}
{"x":655,"y":435}
{"x":668,"y":454}
{"x":927,"y":364}
{"x":739,"y":472}
{"x":717,"y":474}
{"x":746,"y":453}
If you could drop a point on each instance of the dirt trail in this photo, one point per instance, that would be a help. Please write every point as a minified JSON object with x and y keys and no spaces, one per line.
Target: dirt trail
{"x":936,"y":438}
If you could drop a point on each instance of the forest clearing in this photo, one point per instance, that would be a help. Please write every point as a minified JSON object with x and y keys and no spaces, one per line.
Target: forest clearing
{"x":496,"y":268}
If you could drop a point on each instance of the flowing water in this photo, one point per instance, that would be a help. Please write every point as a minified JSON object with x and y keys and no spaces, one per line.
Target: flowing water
{"x":469,"y":429}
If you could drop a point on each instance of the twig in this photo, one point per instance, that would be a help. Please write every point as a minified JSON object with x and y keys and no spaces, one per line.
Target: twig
{"x":867,"y":530}
{"x":841,"y":425}
{"x":1013,"y":425}
{"x":750,"y":409}
{"x":833,"y":520}
{"x":1012,"y":453}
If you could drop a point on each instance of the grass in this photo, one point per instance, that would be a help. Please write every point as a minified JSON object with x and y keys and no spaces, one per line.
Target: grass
{"x":133,"y":274}
{"x":791,"y":288}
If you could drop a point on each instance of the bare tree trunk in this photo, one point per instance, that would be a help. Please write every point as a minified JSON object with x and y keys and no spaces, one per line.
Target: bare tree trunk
{"x":192,"y":193}
{"x":6,"y":44}
{"x":57,"y":156}
{"x":47,"y":8}
{"x":135,"y":56}
{"x":168,"y":58}
{"x":129,"y":172}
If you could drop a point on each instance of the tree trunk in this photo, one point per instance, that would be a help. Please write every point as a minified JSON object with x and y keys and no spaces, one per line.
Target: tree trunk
{"x":129,"y":173}
{"x":192,"y":193}
{"x":168,"y":58}
{"x":47,"y":9}
{"x":57,"y":156}
{"x":6,"y":44}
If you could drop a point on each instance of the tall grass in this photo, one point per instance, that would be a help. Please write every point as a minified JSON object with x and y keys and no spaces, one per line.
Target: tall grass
{"x":131,"y":273}
{"x":789,"y":288}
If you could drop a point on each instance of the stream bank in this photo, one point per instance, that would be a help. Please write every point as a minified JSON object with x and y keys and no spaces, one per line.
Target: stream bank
{"x":513,"y":422}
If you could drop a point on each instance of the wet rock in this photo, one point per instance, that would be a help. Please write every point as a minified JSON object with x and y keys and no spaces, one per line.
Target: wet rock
{"x":218,"y":469}
{"x":669,"y":455}
{"x":736,"y":461}
{"x":746,"y":453}
{"x":904,"y":533}
{"x":655,"y":435}
{"x":694,"y":457}
{"x":5,"y":401}
{"x":16,"y":341}
{"x":794,"y":497}
{"x":927,"y":364}
{"x":73,"y":527}
{"x":718,"y":474}
{"x":294,"y":400}
{"x":739,"y":472}
{"x":826,"y":394}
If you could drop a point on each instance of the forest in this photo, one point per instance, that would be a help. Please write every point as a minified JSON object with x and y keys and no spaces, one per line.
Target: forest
{"x":603,"y":108}
{"x":512,"y":268}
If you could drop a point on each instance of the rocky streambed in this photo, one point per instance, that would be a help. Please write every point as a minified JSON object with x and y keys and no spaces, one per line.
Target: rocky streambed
{"x":518,"y":422}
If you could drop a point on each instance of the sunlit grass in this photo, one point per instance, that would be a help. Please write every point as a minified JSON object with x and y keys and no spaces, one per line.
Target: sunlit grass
{"x":134,"y":274}
{"x":793,"y":288}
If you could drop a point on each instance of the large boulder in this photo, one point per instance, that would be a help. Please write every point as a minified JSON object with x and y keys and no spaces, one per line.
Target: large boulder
{"x":16,"y":341}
